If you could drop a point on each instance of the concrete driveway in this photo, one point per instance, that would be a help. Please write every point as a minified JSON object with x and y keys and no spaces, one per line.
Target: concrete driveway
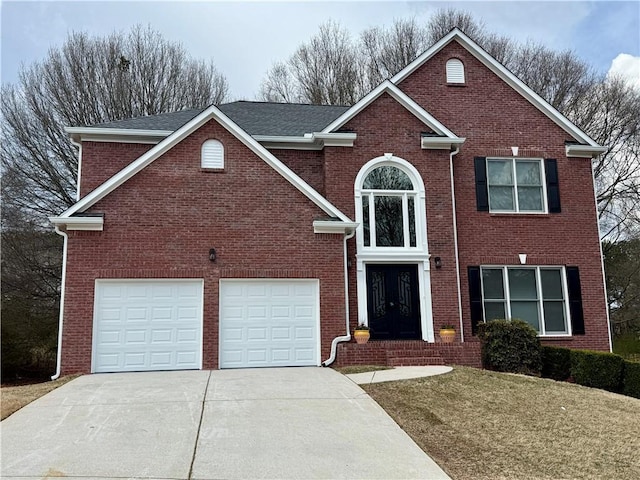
{"x":254,"y":423}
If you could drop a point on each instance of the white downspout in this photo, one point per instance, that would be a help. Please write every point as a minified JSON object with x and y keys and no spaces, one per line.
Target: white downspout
{"x":455,"y":240}
{"x":347,"y":337}
{"x":604,"y":275}
{"x":79,"y":145}
{"x":61,"y":317}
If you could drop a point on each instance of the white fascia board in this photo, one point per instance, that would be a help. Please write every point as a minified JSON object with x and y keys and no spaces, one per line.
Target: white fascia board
{"x":332,"y":226}
{"x":402,"y":98}
{"x":282,"y":139}
{"x":502,"y":72}
{"x":95,"y":224}
{"x":310,"y":141}
{"x":338,"y":139}
{"x":440,"y":143}
{"x":584,"y":151}
{"x":184,"y":131}
{"x":287,"y":142}
{"x":119,"y":135}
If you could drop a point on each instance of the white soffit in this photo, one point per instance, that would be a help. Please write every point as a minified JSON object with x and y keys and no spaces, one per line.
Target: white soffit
{"x":92,"y":223}
{"x":584,"y":151}
{"x":333,"y":226}
{"x":119,"y":135}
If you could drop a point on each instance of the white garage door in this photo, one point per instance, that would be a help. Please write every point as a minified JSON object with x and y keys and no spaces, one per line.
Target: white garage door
{"x":269,"y":323}
{"x":142,"y":325}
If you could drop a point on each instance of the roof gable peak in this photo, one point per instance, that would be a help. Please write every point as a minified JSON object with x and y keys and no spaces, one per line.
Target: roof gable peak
{"x":503,"y":73}
{"x":402,"y":98}
{"x":211,"y":112}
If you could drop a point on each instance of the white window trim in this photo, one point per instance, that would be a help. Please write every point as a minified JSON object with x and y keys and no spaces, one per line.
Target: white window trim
{"x":540,"y":299}
{"x":543,"y":180}
{"x":419,"y":206}
{"x":418,"y":255}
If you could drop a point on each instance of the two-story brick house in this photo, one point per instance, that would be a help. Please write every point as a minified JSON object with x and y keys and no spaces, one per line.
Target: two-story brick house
{"x":261,"y":234}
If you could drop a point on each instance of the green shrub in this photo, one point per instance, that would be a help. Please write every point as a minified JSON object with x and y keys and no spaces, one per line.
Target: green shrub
{"x":510,"y":346}
{"x":631,"y":379}
{"x":597,"y":369}
{"x":627,"y":345}
{"x":556,"y":363}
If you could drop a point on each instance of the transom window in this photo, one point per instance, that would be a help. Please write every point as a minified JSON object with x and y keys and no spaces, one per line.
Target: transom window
{"x":389,"y":208}
{"x":533,"y":294}
{"x":515,"y":185}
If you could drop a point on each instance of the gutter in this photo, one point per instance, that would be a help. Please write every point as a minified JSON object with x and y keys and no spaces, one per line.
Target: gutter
{"x":61,"y":317}
{"x":347,"y":337}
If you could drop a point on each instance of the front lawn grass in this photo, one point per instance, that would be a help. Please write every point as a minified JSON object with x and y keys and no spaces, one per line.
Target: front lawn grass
{"x":16,"y":397}
{"x":478,"y":424}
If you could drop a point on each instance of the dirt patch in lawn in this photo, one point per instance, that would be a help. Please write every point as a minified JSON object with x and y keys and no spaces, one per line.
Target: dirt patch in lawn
{"x":485,"y":425}
{"x":13,"y":398}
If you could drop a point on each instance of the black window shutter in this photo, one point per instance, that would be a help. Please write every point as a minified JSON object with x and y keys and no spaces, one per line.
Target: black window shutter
{"x":482,"y":195}
{"x":575,"y":300}
{"x":475,"y":296}
{"x":553,"y":188}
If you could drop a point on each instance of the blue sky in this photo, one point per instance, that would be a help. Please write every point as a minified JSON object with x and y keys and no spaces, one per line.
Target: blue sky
{"x":245,"y":38}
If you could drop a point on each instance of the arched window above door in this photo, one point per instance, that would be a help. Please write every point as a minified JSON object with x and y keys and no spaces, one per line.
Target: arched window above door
{"x":388,"y":205}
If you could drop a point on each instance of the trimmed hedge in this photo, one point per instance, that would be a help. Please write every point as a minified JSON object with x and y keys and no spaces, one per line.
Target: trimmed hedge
{"x":510,"y":346}
{"x":556,"y":363}
{"x":631,"y":379}
{"x":597,"y":369}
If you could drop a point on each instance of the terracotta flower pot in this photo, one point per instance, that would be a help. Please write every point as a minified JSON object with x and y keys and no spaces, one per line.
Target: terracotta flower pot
{"x":447,"y":335}
{"x":361,"y":336}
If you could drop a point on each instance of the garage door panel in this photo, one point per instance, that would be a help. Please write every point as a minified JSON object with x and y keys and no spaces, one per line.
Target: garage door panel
{"x":147,"y":325}
{"x":303,"y":355}
{"x":268,"y":323}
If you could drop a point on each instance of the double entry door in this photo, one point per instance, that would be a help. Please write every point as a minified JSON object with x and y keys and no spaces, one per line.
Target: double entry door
{"x":393,"y":302}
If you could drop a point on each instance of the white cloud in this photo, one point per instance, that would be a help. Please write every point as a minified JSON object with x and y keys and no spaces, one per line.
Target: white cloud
{"x":628,"y":67}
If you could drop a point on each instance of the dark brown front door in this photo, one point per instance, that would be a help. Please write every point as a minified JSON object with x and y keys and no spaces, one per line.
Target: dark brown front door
{"x":392,"y":302}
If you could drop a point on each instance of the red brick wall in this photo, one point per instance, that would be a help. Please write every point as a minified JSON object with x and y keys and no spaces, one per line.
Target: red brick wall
{"x":102,"y":160}
{"x":163,"y":221}
{"x":308,"y":164}
{"x":387,"y":127}
{"x":493,"y":118}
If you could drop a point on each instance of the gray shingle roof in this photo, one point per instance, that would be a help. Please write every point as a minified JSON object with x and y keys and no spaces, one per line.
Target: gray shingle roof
{"x":257,"y":118}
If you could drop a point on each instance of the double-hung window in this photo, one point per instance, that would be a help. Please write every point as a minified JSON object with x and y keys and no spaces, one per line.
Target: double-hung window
{"x":389,"y":208}
{"x":537,"y":295}
{"x":516,"y":185}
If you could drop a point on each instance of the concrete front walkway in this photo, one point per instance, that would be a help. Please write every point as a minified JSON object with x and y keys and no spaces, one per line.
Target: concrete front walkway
{"x":230,"y":424}
{"x":398,"y":373}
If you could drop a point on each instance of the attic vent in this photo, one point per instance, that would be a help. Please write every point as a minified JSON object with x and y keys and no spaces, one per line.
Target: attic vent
{"x":212,"y":154}
{"x":455,"y":71}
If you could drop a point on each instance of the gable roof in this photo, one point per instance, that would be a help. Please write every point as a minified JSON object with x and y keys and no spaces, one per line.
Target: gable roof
{"x":256,"y":118}
{"x":178,"y":135}
{"x":502,"y":72}
{"x":402,"y":98}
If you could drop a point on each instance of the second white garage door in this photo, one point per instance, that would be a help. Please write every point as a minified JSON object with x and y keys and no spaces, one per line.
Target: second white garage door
{"x":269,"y":323}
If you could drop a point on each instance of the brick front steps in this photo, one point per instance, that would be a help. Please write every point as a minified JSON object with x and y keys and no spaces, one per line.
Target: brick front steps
{"x":396,"y":353}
